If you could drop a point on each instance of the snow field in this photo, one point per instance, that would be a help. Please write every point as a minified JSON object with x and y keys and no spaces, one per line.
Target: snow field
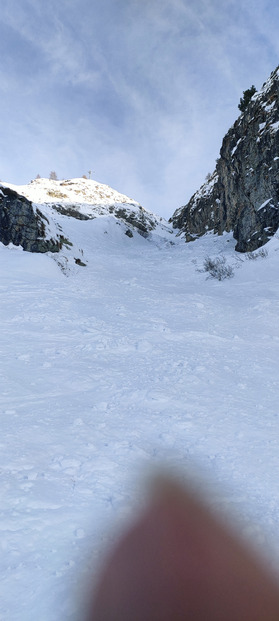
{"x":134,"y":360}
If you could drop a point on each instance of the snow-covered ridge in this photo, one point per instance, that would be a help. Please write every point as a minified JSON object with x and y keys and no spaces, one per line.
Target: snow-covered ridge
{"x":87,"y":199}
{"x":80,"y":190}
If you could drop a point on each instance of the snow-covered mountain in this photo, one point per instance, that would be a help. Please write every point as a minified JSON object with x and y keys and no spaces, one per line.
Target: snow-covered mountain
{"x":80,"y":192}
{"x":38,"y":216}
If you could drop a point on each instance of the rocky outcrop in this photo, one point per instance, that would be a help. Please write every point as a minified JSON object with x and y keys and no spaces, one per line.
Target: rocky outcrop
{"x":140,"y":220}
{"x":242,"y":195}
{"x":34,"y":216}
{"x":24,"y":226}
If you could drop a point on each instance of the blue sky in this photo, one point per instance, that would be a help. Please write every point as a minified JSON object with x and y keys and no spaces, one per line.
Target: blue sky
{"x":141,"y":92}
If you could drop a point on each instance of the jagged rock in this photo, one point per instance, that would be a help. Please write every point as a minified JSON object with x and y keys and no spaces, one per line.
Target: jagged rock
{"x":143,"y":222}
{"x":242,"y":195}
{"x":22,"y":225}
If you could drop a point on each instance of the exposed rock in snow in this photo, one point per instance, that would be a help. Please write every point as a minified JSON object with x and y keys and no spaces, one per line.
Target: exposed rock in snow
{"x":24,"y":225}
{"x":242,"y":195}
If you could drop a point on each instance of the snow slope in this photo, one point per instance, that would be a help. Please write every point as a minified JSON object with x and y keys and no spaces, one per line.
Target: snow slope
{"x":135,"y":359}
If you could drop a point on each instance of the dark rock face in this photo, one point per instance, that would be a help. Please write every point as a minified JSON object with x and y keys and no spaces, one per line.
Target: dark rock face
{"x":69,"y":210}
{"x":22,"y":226}
{"x":242,"y":195}
{"x":143,"y":222}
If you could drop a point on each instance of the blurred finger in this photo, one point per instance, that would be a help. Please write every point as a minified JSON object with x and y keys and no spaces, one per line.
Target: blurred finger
{"x":177,"y":562}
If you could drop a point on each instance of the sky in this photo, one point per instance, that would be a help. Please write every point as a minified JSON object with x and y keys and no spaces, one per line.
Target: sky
{"x":140,"y":92}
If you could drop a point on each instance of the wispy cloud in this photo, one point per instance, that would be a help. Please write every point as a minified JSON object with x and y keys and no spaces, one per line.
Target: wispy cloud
{"x":141,"y":91}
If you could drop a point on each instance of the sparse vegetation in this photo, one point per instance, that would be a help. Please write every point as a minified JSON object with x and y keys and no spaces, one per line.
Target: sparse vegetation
{"x":217,"y":268}
{"x":56,"y":194}
{"x":262,"y":253}
{"x":247,"y":95}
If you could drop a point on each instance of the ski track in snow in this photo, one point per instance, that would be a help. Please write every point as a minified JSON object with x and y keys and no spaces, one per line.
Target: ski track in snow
{"x":133,"y":360}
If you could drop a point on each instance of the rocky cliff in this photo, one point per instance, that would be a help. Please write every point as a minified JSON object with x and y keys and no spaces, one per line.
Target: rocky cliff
{"x":242,"y":195}
{"x":24,"y":225}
